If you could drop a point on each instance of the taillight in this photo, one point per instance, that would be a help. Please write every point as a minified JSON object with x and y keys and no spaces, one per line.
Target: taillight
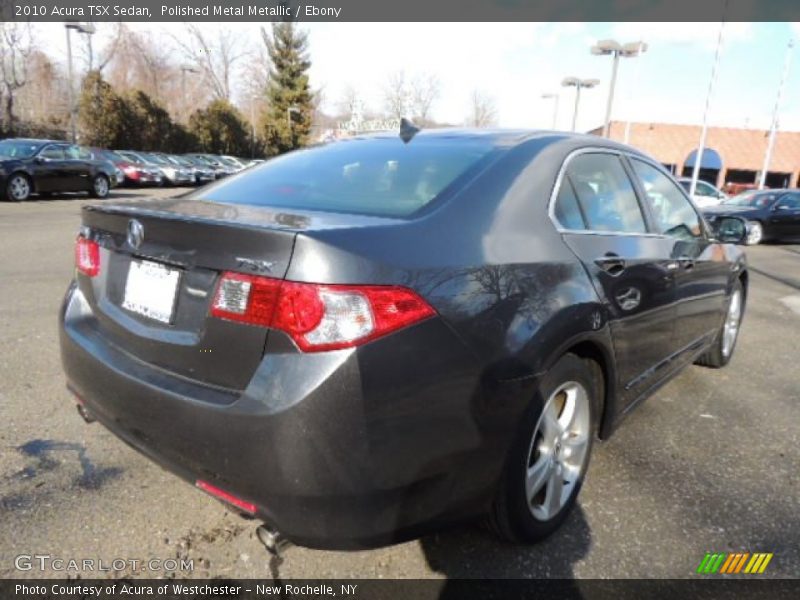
{"x":318,"y":317}
{"x":87,"y":256}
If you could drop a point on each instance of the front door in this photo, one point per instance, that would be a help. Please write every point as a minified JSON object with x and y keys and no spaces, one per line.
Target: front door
{"x":602,"y":221}
{"x":784,"y":218}
{"x":700,"y":266}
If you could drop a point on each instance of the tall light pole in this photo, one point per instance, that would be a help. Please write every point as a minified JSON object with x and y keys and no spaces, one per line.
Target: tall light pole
{"x":88,"y":29}
{"x":773,"y":130}
{"x":578,"y":84}
{"x":616,"y":50}
{"x":184,"y":70}
{"x":699,"y":155}
{"x":554,"y":98}
{"x":642,"y":49}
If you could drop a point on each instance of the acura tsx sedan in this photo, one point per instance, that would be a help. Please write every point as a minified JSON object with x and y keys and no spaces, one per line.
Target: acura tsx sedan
{"x":362,"y":341}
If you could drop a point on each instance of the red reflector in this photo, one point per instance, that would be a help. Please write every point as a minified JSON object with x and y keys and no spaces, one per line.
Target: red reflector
{"x":247,"y":507}
{"x":87,"y":256}
{"x":318,"y":317}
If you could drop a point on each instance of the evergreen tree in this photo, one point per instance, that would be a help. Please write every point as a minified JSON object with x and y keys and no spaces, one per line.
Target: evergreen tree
{"x":220,"y":129}
{"x":153,"y":123}
{"x":286,"y":124}
{"x":106,"y":118}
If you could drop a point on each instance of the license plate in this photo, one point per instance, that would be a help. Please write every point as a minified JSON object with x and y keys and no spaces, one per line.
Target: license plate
{"x":150,"y":290}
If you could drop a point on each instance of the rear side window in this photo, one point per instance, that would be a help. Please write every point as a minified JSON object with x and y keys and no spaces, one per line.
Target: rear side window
{"x":377,"y":176}
{"x":605,"y":194}
{"x":567,"y":211}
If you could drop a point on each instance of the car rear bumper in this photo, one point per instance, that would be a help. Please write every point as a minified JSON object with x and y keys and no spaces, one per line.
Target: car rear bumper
{"x":332,"y":455}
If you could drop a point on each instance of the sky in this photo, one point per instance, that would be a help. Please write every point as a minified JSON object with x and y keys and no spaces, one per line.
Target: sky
{"x":515,"y":63}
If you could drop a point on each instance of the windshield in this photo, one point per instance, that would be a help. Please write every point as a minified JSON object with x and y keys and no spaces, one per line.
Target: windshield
{"x":18,"y":148}
{"x":752,"y":198}
{"x":374,"y":176}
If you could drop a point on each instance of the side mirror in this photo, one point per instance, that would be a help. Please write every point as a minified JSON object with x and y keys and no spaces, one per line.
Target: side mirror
{"x":782,"y":207}
{"x":40,"y":160}
{"x":730,"y":230}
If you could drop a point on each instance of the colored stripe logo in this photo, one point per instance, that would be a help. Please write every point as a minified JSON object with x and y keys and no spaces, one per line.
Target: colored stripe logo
{"x":734,"y":562}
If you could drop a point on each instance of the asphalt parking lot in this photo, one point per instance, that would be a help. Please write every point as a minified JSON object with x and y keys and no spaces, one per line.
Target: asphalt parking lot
{"x":710,"y":463}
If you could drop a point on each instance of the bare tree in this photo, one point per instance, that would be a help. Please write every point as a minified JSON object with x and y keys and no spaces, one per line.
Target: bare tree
{"x":482,"y":111}
{"x":424,"y":91}
{"x":16,"y":47}
{"x":396,"y":95}
{"x":214,"y":58}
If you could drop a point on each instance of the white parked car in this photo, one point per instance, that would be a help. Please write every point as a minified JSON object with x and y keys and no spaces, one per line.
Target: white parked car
{"x":705,"y":194}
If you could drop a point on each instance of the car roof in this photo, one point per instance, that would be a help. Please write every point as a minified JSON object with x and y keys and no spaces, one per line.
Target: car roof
{"x":36,"y":141}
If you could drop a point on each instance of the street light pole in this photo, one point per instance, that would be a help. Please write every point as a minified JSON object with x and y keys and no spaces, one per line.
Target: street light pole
{"x":89,"y":30}
{"x":616,"y":50}
{"x":578,"y":84}
{"x":699,"y":155}
{"x":70,"y":90}
{"x":554,"y":98}
{"x":773,"y":131}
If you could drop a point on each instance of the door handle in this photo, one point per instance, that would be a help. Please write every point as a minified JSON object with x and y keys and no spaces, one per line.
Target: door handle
{"x":611,"y":263}
{"x":686,"y":262}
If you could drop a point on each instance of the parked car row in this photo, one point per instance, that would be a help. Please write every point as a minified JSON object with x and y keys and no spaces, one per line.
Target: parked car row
{"x":33,"y":166}
{"x":770,"y":214}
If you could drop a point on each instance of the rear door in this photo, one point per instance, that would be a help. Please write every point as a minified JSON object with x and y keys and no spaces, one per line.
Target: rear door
{"x":601,"y":219}
{"x":701,"y":268}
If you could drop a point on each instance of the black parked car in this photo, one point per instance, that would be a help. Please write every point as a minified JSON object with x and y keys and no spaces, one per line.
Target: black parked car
{"x":364,"y":340}
{"x":44,"y":166}
{"x":770,"y":214}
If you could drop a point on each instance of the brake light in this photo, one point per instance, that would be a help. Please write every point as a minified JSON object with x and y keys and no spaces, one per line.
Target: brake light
{"x":318,"y":317}
{"x":87,"y":256}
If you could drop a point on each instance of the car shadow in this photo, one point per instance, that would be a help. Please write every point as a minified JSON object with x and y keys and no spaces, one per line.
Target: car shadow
{"x":474,"y":552}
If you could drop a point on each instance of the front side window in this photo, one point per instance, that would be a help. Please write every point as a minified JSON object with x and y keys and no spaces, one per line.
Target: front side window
{"x":53,"y":153}
{"x":704,"y":189}
{"x":672,"y":211}
{"x":604,"y":193}
{"x":789,"y":202}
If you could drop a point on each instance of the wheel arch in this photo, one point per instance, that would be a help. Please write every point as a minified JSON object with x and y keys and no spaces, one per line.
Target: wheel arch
{"x":597,"y":349}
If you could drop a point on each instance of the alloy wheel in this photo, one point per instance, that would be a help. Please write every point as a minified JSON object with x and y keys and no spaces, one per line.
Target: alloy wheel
{"x":731,"y":327}
{"x":19,"y":188}
{"x":101,"y":186}
{"x":558,"y":450}
{"x":754,"y":234}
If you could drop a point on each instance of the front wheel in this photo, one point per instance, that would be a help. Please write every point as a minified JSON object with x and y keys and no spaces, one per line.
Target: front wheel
{"x":18,"y":188}
{"x":721,"y":351}
{"x":100,"y":187}
{"x":755,"y":233}
{"x":548,"y":461}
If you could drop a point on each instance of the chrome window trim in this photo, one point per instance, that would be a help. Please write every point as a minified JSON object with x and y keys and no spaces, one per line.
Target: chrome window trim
{"x":557,"y":188}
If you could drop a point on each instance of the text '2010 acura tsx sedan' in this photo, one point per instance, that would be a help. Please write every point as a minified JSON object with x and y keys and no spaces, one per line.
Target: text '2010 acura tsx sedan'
{"x":358,"y":342}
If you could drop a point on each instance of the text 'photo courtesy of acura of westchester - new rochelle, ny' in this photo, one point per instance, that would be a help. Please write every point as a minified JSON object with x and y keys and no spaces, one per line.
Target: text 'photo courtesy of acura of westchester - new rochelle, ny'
{"x":366,"y":340}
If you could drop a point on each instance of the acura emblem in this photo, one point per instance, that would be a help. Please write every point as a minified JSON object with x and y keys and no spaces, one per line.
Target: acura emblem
{"x":135,"y":233}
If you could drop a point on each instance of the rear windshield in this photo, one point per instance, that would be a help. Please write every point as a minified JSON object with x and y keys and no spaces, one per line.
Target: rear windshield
{"x":379,"y":176}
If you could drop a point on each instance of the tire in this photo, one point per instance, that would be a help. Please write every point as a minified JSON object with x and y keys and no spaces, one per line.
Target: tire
{"x":555,"y":439}
{"x":18,"y":188}
{"x":724,"y":344}
{"x":755,"y":233}
{"x":100,"y":187}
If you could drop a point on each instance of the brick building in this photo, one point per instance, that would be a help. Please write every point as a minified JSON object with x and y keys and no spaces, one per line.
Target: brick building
{"x":731,"y":156}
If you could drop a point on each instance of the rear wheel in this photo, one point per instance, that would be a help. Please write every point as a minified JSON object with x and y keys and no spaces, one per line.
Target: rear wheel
{"x":18,"y":188}
{"x":548,"y":462}
{"x":721,"y":351}
{"x":755,"y":233}
{"x":100,"y":187}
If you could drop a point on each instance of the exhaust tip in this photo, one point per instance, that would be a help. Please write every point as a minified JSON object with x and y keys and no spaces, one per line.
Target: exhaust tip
{"x":272,"y":539}
{"x":85,"y":414}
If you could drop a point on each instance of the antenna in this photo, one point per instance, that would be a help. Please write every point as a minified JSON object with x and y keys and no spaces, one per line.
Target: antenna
{"x":408,"y":130}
